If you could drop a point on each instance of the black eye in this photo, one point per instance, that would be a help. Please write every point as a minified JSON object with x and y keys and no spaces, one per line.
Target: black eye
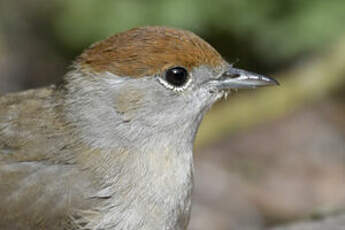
{"x":176,"y":76}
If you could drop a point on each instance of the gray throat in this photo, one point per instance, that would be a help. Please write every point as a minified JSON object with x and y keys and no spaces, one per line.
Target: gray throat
{"x":144,"y":174}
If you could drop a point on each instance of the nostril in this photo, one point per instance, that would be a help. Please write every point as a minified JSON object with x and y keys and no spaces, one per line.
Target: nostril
{"x":234,"y":75}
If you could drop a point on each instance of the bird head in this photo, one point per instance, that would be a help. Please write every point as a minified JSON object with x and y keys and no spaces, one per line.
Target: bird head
{"x":150,"y":80}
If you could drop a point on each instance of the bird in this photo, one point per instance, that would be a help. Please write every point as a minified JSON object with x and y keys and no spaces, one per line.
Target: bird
{"x":111,"y":146}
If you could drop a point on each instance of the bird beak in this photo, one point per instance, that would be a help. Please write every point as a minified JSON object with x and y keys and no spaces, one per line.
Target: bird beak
{"x":236,"y":78}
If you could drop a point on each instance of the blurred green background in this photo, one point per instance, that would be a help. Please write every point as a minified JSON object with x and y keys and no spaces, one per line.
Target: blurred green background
{"x":264,"y":157}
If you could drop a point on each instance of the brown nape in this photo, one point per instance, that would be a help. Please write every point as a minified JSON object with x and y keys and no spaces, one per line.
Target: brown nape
{"x":146,"y":51}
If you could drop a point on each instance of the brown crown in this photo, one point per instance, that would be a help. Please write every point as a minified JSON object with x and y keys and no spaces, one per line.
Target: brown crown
{"x":146,"y":51}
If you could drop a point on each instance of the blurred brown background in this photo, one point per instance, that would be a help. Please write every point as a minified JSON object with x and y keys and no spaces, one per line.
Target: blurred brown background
{"x":264,"y":158}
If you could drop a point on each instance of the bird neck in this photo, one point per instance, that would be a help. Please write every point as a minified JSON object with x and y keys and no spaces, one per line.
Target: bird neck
{"x":144,"y":188}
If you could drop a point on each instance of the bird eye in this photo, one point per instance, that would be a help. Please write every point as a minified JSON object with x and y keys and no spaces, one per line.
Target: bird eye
{"x":176,"y":76}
